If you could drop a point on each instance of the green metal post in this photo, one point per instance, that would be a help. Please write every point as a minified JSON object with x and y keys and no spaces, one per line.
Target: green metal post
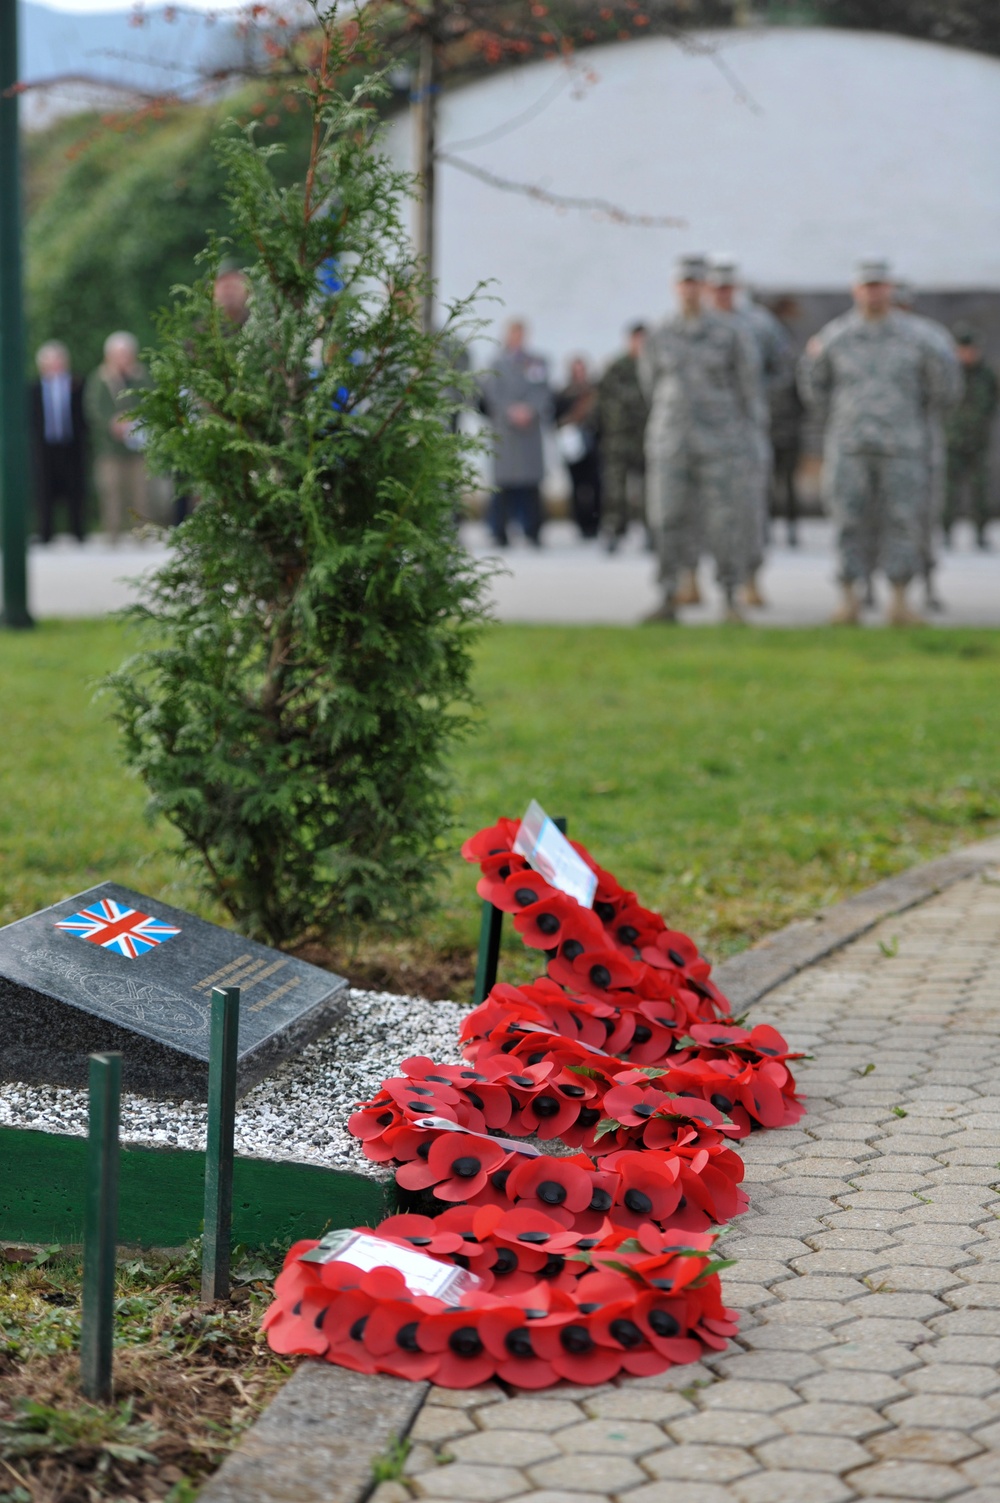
{"x":490,"y":928}
{"x":14,"y":472}
{"x":216,"y":1244}
{"x":100,"y":1228}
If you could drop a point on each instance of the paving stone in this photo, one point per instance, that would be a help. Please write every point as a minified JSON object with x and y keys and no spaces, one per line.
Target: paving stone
{"x":786,"y":1336}
{"x":420,"y":1458}
{"x":912,"y":1480}
{"x":853,"y":1261}
{"x":552,"y":1496}
{"x":984,"y":1469}
{"x":667,"y":1492}
{"x":739,"y":1393}
{"x":684,"y":1379}
{"x":812,"y":1453}
{"x":702,"y":1463}
{"x":638,"y":1404}
{"x":967,"y":1323}
{"x":738,"y":1427}
{"x":965,"y":1348}
{"x":610,"y":1437}
{"x":774,"y":1366}
{"x":914,"y":1280}
{"x":588,"y":1473}
{"x":880,"y":1305}
{"x":467,"y":1398}
{"x":941,"y":1411}
{"x":823,"y":1287}
{"x":790,"y":1487}
{"x":471,"y":1484}
{"x":435,"y":1423}
{"x":853,"y":1420}
{"x":850,"y":1386}
{"x":944,"y":1446}
{"x":502,"y":1447}
{"x":954,"y":1377}
{"x":878,"y":1357}
{"x":530,"y":1414}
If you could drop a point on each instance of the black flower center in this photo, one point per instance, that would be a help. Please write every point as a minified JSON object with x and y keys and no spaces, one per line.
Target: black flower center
{"x":644,"y":1109}
{"x":518,"y":1342}
{"x":406,"y":1337}
{"x":663,"y":1323}
{"x":626,"y":1333}
{"x":571,"y":949}
{"x":358,"y":1328}
{"x":499,"y":1178}
{"x":676,"y":957}
{"x":419,"y":1241}
{"x":600,"y":1200}
{"x":553,"y":1267}
{"x":600,"y":975}
{"x":525,"y":896}
{"x":466,"y":1167}
{"x":642,"y":1034}
{"x":576,"y":1340}
{"x":573,"y":1091}
{"x":548,"y":923}
{"x":627,"y":934}
{"x":466,"y":1342}
{"x":551,"y":1192}
{"x":533,"y":1237}
{"x":638,"y":1202}
{"x":722,"y":1102}
{"x":605,"y":912}
{"x":506,"y":1261}
{"x":545,"y":1106}
{"x":589,"y":1116}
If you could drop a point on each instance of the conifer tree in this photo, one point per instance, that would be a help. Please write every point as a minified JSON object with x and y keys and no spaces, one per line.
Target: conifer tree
{"x":307,"y":657}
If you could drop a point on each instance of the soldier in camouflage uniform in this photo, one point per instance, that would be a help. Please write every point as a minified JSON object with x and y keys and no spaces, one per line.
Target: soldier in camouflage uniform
{"x":776,"y":366}
{"x":968,"y":437}
{"x":622,"y":412}
{"x":876,"y":382}
{"x":699,"y":371}
{"x":943,"y":347}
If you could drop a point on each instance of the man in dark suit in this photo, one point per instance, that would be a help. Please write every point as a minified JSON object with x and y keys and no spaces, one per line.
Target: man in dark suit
{"x":59,"y":434}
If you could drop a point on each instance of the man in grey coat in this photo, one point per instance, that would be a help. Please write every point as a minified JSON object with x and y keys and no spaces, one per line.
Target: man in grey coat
{"x":700,"y":372}
{"x":515,"y":395}
{"x":878,"y":383}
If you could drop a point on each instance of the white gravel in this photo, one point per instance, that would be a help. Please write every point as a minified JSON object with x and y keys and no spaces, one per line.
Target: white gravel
{"x":300,"y":1112}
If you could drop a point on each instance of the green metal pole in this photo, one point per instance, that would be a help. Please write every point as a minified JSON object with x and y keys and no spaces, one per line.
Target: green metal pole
{"x":216,"y":1243}
{"x":100,"y":1229}
{"x":14,"y":472}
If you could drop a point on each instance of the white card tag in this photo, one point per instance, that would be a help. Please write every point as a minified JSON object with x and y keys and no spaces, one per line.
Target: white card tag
{"x":423,"y":1275}
{"x":546,"y":849}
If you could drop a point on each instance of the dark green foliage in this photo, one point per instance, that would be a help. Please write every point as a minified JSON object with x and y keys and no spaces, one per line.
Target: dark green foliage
{"x":114,"y":226}
{"x":310,"y":635}
{"x":963,"y":23}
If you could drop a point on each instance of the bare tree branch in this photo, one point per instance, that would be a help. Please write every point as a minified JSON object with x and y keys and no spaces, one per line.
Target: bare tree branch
{"x":562,"y":200}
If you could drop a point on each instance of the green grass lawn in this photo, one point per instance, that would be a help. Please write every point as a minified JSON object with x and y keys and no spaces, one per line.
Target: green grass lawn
{"x":736,"y":779}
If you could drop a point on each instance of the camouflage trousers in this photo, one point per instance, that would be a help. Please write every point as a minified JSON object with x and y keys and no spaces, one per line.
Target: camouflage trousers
{"x":879,"y":503}
{"x":758,"y":480}
{"x":623,"y":490}
{"x":701,"y":500}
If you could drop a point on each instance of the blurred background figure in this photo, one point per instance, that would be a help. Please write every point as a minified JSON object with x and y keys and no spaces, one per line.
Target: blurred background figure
{"x":622,"y":414}
{"x":700,"y":371}
{"x":516,"y":398}
{"x":786,"y":426}
{"x":576,"y":416}
{"x":59,"y":440}
{"x":875,"y":383}
{"x":942,"y":346}
{"x":120,"y":473}
{"x":231,"y":291}
{"x":774,"y":361}
{"x":967,"y":435}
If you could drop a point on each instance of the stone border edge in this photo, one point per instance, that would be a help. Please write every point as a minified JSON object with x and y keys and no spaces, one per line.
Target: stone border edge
{"x":318,"y":1439}
{"x":749,"y":976}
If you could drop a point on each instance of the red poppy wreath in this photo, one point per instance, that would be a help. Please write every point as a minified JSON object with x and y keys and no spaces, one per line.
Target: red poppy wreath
{"x":531,"y":1266}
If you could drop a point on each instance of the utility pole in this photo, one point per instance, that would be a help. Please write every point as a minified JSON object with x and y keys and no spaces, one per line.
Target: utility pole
{"x":425,"y":123}
{"x":14,"y":480}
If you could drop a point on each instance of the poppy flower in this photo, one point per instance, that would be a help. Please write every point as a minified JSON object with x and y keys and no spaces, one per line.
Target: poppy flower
{"x":392,"y":1335}
{"x":572,"y":1352}
{"x":632,"y":1101}
{"x":631,"y":926}
{"x":594,"y":970}
{"x":647,"y":1191}
{"x":425,"y":1233}
{"x":494,"y":872}
{"x":550,"y":1185}
{"x":297,"y":1328}
{"x":344,"y":1326}
{"x":555,"y":918}
{"x":508,"y":1336}
{"x":463,"y":1358}
{"x":520,"y":890}
{"x":457,"y":1166}
{"x":664,"y":1322}
{"x":494,"y":840}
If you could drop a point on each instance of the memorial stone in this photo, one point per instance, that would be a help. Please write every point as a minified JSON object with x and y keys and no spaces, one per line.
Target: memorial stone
{"x":110,"y":969}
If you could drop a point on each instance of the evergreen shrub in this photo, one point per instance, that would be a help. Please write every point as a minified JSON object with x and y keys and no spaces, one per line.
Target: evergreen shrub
{"x":307,"y":658}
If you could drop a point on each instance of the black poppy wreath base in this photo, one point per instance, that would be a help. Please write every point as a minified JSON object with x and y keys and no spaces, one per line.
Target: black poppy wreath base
{"x":585,"y":1263}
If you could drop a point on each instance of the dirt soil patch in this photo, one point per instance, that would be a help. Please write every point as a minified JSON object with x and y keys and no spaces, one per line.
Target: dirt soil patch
{"x":405,"y":966}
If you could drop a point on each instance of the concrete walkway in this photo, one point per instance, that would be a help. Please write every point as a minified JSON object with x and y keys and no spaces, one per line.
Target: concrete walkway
{"x":566,"y":581}
{"x":868,"y":1361}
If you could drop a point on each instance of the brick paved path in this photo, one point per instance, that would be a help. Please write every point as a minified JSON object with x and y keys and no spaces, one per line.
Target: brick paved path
{"x":868,"y":1363}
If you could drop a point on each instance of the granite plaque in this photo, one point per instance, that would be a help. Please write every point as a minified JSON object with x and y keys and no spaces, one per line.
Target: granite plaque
{"x":111,"y":969}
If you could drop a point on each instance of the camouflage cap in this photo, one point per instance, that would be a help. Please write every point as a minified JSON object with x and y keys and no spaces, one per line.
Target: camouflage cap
{"x":904,"y":293}
{"x":964,"y":334}
{"x":723,"y":272}
{"x":689,"y":269}
{"x":872,"y":270}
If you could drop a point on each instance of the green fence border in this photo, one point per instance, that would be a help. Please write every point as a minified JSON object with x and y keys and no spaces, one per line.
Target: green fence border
{"x":162,"y":1190}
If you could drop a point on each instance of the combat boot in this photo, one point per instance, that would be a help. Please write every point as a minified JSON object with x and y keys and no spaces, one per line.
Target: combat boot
{"x":849,"y":613}
{"x":665,"y":613}
{"x":733,"y":616}
{"x":751,"y":593}
{"x":688,"y":592}
{"x":900,"y":612}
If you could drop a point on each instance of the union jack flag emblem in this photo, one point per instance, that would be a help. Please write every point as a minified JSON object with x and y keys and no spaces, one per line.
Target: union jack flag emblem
{"x":115,"y":927}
